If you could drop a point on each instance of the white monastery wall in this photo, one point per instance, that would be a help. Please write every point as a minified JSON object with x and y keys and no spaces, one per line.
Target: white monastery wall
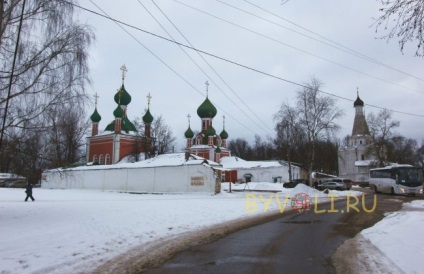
{"x":187,"y":178}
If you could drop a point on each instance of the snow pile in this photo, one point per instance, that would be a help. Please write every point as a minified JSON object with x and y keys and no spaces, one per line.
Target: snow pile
{"x":261,"y":186}
{"x":301,"y":188}
{"x":399,"y":236}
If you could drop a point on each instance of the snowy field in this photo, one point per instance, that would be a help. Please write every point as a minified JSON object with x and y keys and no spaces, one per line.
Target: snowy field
{"x":69,"y":231}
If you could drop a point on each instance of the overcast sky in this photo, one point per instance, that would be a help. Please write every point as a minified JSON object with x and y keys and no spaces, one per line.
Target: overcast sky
{"x":272,"y":45}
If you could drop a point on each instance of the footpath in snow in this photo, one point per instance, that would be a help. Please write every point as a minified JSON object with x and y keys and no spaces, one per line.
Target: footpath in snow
{"x":69,"y":231}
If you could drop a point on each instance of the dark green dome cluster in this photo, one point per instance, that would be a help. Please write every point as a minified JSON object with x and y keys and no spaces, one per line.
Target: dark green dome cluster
{"x":122,"y":97}
{"x":189,"y":133}
{"x":211,"y":131}
{"x":126,"y":125}
{"x":95,"y":117}
{"x":148,"y":118}
{"x":206,"y":109}
{"x":223,"y":135}
{"x":118,"y":112}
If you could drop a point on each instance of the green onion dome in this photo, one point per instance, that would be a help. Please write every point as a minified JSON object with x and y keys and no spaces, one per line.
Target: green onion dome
{"x":118,"y":112}
{"x":122,"y":97}
{"x":148,"y":118}
{"x":189,"y":133}
{"x":206,"y":109}
{"x":218,"y":150}
{"x":110,"y":126}
{"x":223,"y":135}
{"x":95,"y":117}
{"x":211,"y":131}
{"x":127,"y":125}
{"x":358,"y":102}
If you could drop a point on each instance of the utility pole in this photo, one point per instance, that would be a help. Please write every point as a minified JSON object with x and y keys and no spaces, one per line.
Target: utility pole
{"x":288,"y":152}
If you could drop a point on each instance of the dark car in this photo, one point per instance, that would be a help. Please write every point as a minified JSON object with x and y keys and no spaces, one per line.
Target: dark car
{"x":332,"y":185}
{"x":295,"y":182}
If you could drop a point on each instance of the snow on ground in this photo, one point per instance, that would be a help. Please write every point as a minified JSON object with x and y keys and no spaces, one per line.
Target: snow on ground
{"x":399,"y":236}
{"x":69,"y":231}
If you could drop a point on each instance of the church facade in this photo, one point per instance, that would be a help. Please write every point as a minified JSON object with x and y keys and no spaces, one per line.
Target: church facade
{"x":207,"y":143}
{"x":120,"y":137}
{"x":353,"y":159}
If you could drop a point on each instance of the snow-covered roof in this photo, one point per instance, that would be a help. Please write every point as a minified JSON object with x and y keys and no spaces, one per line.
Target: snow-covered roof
{"x":364,"y":163}
{"x":233,"y":162}
{"x":11,"y":176}
{"x":163,"y":160}
{"x":106,"y":133}
{"x":200,"y":147}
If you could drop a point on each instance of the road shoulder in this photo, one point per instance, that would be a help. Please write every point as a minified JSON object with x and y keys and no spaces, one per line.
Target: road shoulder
{"x":358,"y":255}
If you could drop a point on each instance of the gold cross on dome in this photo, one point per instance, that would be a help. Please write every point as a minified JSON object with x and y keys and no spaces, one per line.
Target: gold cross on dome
{"x":207,"y":87}
{"x":188,"y":117}
{"x":95,"y":99}
{"x":124,"y":70}
{"x":148,"y":99}
{"x":223,"y":120}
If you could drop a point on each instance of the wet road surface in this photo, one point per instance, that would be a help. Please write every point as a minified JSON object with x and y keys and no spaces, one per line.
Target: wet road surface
{"x":293,"y":243}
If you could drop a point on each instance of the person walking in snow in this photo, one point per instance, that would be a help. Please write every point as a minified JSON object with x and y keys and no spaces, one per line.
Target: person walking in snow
{"x":28,"y":192}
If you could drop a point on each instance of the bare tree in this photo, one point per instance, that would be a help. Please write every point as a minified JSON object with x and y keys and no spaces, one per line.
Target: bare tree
{"x":161,"y":140}
{"x":403,"y":19}
{"x":381,"y":130}
{"x":403,"y":150}
{"x":263,"y":150}
{"x":240,"y":148}
{"x":289,"y":133}
{"x":162,"y":136}
{"x":420,"y":155}
{"x":313,"y":118}
{"x":65,"y":134}
{"x":51,"y":67}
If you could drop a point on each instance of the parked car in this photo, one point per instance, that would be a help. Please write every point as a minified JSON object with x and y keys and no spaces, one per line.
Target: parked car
{"x":347,"y":182}
{"x":295,"y":182}
{"x":332,"y":185}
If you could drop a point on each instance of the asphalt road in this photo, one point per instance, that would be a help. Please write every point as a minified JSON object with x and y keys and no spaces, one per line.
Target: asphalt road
{"x":292,"y":243}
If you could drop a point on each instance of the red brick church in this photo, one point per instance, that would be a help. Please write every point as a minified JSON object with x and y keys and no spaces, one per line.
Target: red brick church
{"x":207,"y":143}
{"x":120,"y":137}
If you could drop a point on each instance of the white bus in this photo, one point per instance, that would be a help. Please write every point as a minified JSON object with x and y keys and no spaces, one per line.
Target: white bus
{"x":400,"y":179}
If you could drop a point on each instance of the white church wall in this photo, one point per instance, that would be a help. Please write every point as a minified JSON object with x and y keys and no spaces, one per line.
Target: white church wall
{"x":93,"y":179}
{"x":116,"y":179}
{"x":189,"y":178}
{"x":141,"y":179}
{"x":264,"y":174}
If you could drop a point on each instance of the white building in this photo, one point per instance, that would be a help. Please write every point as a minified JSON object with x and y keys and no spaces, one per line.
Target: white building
{"x":257,"y":171}
{"x":354,"y":162}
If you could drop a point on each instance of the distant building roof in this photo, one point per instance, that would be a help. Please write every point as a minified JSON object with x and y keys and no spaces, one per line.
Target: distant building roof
{"x":233,"y":162}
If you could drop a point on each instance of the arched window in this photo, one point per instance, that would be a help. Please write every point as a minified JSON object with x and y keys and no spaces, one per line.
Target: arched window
{"x":101,"y":159}
{"x":107,"y":159}
{"x":95,"y":158}
{"x":199,"y":140}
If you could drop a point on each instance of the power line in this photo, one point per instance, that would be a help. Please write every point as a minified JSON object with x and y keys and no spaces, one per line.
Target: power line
{"x":150,"y":51}
{"x":198,"y":66}
{"x":219,"y":76}
{"x":340,"y":46}
{"x":228,"y":61}
{"x":293,"y":47}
